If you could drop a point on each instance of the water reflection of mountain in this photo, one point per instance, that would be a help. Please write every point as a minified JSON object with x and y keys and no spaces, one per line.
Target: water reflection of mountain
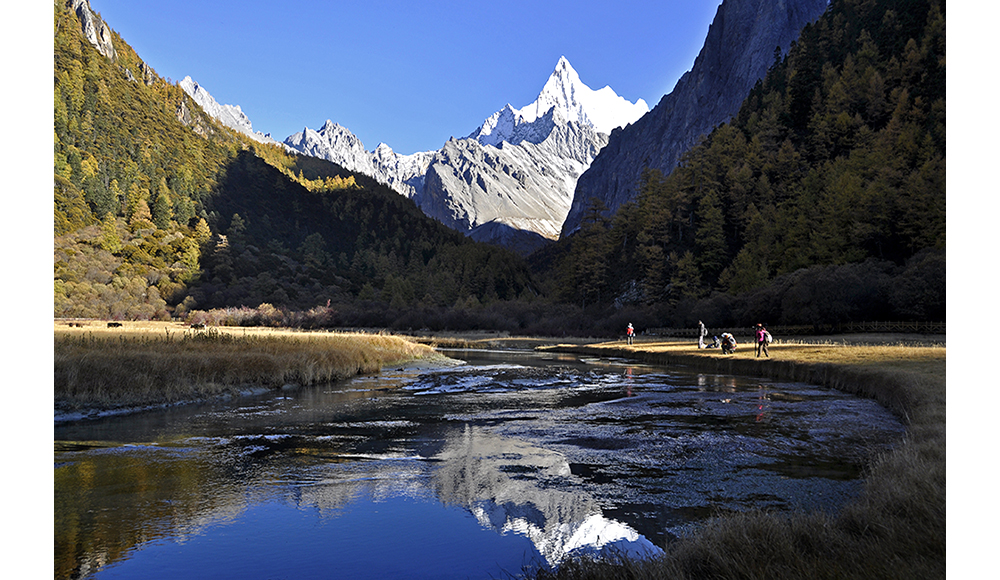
{"x":511,"y":486}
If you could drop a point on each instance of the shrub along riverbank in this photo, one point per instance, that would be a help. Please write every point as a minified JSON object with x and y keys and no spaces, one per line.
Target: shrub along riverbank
{"x":139,"y":365}
{"x":896,"y":529}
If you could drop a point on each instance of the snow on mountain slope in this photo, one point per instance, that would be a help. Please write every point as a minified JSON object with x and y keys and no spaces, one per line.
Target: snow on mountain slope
{"x":527,"y":186}
{"x":571,"y":100}
{"x":517,"y":171}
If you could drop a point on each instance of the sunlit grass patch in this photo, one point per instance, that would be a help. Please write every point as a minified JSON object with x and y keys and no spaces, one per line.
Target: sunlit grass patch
{"x":150,"y":364}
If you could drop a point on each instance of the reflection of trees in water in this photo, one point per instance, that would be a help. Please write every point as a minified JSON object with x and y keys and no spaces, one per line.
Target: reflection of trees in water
{"x":510,"y":485}
{"x":110,"y":501}
{"x":107,"y":503}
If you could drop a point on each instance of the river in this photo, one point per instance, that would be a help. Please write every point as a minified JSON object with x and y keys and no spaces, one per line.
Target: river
{"x":509,"y":461}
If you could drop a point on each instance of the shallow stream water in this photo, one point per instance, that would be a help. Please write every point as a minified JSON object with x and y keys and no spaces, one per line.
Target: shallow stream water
{"x":506,"y":463}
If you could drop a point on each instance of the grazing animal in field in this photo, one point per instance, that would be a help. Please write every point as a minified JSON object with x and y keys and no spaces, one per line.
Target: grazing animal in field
{"x":114,"y":325}
{"x":198,"y":326}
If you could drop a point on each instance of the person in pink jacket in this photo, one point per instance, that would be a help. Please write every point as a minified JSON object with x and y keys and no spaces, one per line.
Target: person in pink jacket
{"x":762,"y":339}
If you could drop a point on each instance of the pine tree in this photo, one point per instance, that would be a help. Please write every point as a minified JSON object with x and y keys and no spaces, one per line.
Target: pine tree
{"x":110,"y":240}
{"x":201,"y":231}
{"x":710,"y":239}
{"x":163,"y":207}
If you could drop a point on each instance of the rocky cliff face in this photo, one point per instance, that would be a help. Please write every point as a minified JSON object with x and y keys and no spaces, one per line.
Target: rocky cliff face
{"x":739,"y":49}
{"x":525,"y":186}
{"x":94,"y":29}
{"x":333,"y":142}
{"x":511,"y":181}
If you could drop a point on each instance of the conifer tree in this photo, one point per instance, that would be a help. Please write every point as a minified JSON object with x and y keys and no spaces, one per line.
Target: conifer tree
{"x":201,"y":231}
{"x":163,"y":207}
{"x":110,"y":240}
{"x":710,"y":239}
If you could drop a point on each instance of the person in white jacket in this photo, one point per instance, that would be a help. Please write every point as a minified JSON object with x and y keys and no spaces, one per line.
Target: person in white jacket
{"x":728,"y":343}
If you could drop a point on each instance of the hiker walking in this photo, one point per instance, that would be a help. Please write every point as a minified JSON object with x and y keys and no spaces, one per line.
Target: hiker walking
{"x":702,"y":333}
{"x":629,"y":333}
{"x":763,"y":337}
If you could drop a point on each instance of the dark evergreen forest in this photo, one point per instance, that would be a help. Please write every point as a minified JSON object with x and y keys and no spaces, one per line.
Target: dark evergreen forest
{"x":822,"y":201}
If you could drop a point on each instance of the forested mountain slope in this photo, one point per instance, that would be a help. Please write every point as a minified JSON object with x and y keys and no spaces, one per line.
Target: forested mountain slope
{"x":159,"y":209}
{"x":739,"y":49}
{"x":823,"y":199}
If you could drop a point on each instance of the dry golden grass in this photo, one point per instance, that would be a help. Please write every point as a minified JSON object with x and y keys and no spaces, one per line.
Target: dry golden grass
{"x":895,"y":529}
{"x":152,"y":363}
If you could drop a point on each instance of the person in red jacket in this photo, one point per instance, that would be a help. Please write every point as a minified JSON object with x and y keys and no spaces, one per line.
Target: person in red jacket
{"x":629,"y":333}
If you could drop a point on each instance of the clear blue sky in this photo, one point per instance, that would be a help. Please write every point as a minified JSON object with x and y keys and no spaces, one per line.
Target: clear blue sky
{"x":407,"y":73}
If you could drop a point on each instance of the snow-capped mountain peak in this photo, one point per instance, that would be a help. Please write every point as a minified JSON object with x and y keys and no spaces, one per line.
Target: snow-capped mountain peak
{"x":569,"y":100}
{"x":562,"y":91}
{"x":512,"y":180}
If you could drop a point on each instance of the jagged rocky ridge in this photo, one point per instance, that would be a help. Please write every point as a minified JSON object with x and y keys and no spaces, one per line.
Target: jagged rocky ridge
{"x":333,"y":142}
{"x":99,"y":34}
{"x":738,"y":51}
{"x":511,"y":180}
{"x":231,"y":116}
{"x":94,"y":29}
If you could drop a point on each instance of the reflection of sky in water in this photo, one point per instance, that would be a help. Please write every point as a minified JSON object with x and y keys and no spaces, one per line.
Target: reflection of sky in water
{"x":392,"y":537}
{"x":470,"y":471}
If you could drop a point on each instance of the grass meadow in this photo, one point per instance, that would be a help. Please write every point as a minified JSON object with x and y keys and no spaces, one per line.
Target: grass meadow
{"x":143,"y":364}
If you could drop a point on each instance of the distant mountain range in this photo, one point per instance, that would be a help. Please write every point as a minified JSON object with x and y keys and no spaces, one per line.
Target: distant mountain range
{"x":511,"y":180}
{"x":821,"y":200}
{"x":526,"y":175}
